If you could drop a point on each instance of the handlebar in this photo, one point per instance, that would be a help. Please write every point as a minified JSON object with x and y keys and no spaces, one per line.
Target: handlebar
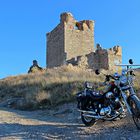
{"x":108,"y":77}
{"x":112,"y":77}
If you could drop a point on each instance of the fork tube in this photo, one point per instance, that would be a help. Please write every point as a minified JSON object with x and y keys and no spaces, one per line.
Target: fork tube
{"x":127,"y":105}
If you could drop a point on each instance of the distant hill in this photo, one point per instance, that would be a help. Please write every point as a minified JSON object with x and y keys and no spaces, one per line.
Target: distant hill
{"x":138,"y":69}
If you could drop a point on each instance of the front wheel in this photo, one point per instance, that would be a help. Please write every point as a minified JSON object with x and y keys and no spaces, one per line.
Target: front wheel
{"x":135,"y":112}
{"x":88,"y":121}
{"x":136,"y":121}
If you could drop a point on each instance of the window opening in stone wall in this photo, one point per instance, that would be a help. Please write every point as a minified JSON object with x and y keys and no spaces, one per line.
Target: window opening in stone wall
{"x":75,"y":27}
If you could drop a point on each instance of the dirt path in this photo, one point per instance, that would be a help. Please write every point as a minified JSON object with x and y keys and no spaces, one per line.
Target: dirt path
{"x":61,"y":123}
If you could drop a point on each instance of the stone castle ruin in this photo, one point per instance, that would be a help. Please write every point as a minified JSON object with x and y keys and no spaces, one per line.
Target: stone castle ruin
{"x":72,"y":41}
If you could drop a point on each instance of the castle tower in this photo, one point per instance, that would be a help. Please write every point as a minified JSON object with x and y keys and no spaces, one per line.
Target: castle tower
{"x":69,"y":39}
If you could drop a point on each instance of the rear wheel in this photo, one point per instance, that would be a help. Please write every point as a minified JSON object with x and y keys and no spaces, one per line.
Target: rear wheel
{"x":88,"y":121}
{"x":135,"y":112}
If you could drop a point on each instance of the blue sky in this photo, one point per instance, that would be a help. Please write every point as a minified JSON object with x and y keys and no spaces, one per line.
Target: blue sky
{"x":24,"y":24}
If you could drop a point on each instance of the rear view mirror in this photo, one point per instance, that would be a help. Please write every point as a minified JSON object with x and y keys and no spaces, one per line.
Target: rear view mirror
{"x":130,"y":61}
{"x":88,"y":85}
{"x":97,"y":72}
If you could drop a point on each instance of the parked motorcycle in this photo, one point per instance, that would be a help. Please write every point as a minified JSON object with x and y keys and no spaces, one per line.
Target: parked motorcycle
{"x":109,"y":105}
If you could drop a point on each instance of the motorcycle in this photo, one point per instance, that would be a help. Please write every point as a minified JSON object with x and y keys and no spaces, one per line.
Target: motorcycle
{"x":109,"y":105}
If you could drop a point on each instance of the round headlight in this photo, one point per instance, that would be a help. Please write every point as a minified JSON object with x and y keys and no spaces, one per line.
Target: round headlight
{"x":109,"y":95}
{"x":123,"y":80}
{"x":88,"y":85}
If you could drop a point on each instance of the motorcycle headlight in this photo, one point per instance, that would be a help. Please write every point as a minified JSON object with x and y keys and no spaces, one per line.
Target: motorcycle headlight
{"x":109,"y":95}
{"x":88,"y":85}
{"x":124,"y":80}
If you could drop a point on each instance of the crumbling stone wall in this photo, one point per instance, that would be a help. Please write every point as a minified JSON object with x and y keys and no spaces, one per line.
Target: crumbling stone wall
{"x":114,"y":57}
{"x":105,"y":59}
{"x":100,"y":59}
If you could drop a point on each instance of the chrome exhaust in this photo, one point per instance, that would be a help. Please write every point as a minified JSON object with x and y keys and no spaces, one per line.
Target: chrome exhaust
{"x":88,"y":112}
{"x":93,"y":116}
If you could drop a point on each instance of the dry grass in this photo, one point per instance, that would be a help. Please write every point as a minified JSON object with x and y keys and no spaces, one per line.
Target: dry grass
{"x":137,"y":81}
{"x":49,"y":88}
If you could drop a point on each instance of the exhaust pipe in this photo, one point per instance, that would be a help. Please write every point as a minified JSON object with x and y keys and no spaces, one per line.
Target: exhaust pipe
{"x":92,"y":116}
{"x":88,"y":112}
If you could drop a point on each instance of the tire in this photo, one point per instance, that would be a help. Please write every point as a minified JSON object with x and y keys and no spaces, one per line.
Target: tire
{"x":136,"y":121}
{"x":87,"y":120}
{"x":135,"y":112}
{"x":134,"y":104}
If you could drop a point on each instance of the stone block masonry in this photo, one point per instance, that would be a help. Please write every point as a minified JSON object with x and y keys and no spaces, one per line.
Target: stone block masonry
{"x":73,"y":40}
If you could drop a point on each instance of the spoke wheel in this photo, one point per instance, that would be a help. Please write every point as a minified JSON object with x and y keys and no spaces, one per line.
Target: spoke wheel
{"x":136,"y":114}
{"x":137,"y":121}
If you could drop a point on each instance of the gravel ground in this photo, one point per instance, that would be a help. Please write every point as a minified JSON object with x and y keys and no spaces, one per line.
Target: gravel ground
{"x":63,"y":122}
